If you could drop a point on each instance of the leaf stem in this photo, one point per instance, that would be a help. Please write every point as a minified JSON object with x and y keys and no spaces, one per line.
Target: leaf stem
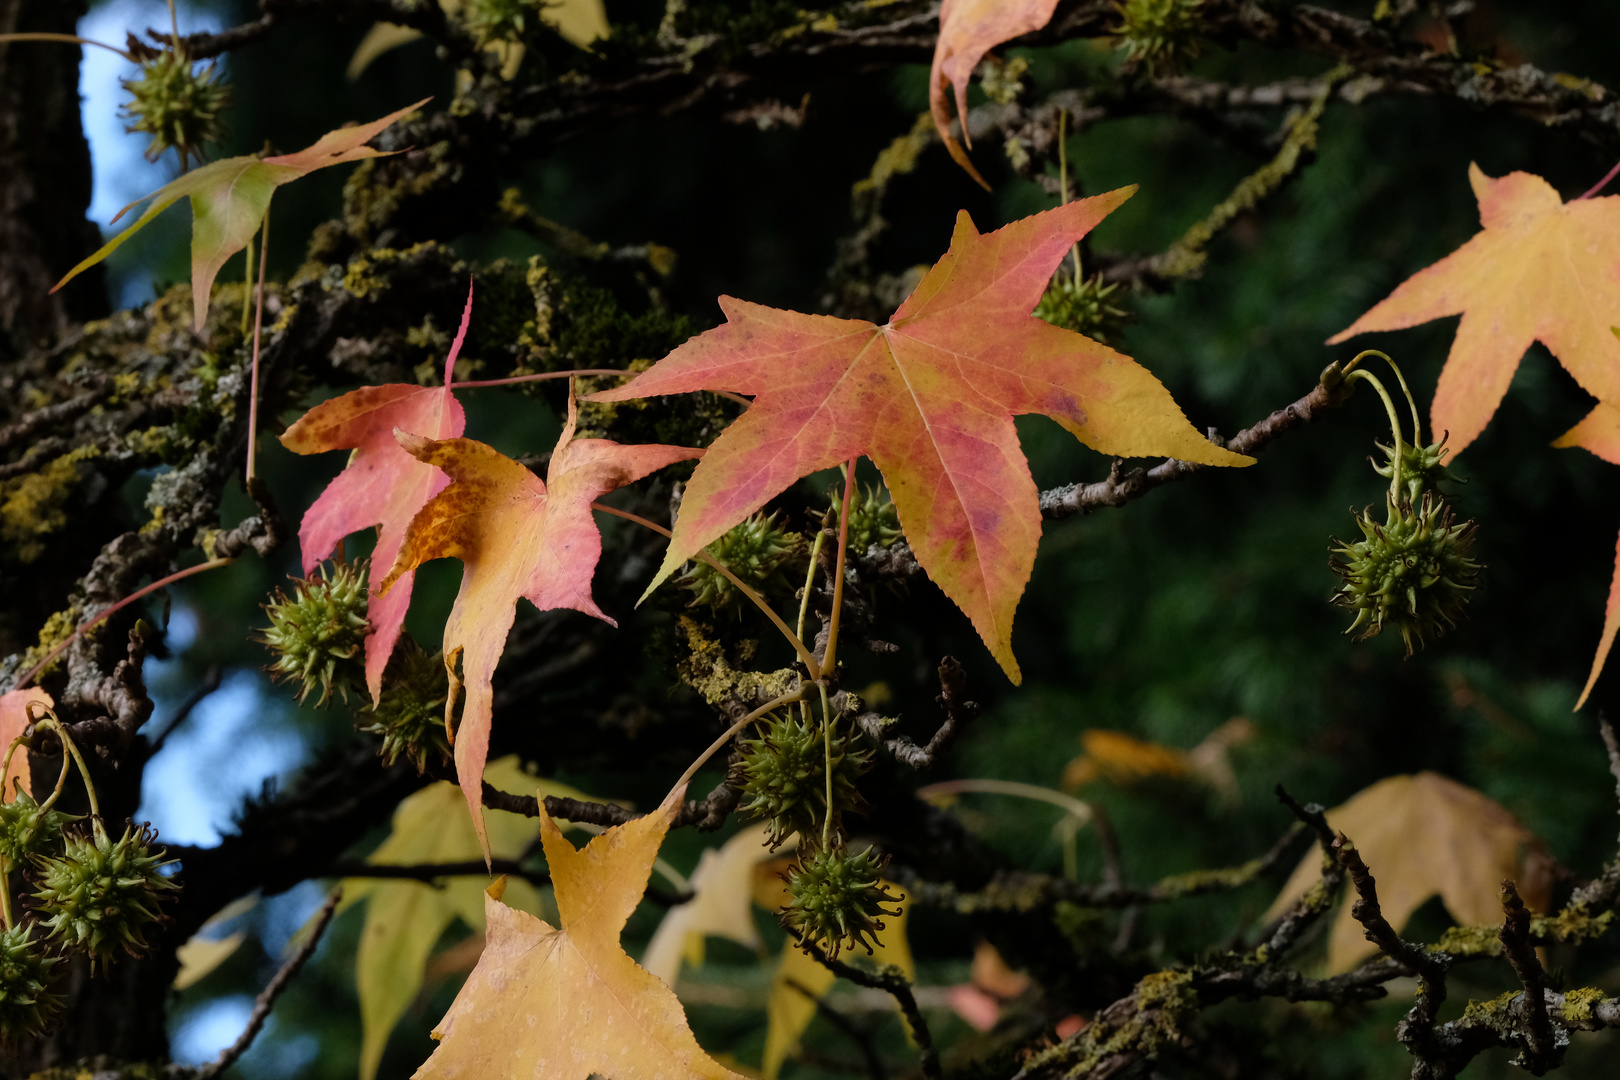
{"x":805,"y":655}
{"x":830,"y":662}
{"x":52,"y":722}
{"x":1395,"y":428}
{"x":775,"y":703}
{"x":1600,"y":185}
{"x":827,"y":764}
{"x":33,"y":672}
{"x":72,"y":39}
{"x":258,"y":326}
{"x":513,"y":380}
{"x":1078,"y":809}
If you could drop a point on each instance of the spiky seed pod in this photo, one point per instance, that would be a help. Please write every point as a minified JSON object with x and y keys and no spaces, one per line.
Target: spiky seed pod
{"x":1082,"y":306}
{"x":27,"y":1006}
{"x":757,"y":551}
{"x":1413,"y":571}
{"x":1159,"y":35}
{"x":316,"y":633}
{"x":25,"y":829}
{"x":498,"y":20}
{"x":410,"y":716}
{"x":178,"y":104}
{"x":100,"y":894}
{"x":837,"y":899}
{"x":872,"y":519}
{"x":782,"y":775}
{"x":1422,"y":467}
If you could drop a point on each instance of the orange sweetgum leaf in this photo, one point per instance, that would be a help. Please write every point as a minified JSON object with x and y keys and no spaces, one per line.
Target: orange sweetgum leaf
{"x":517,"y":536}
{"x":382,"y":485}
{"x":230,"y":197}
{"x":563,"y":1002}
{"x":13,"y":722}
{"x":1540,"y":270}
{"x":1599,"y":432}
{"x":967,"y":30}
{"x":930,"y":398}
{"x":1421,"y":836}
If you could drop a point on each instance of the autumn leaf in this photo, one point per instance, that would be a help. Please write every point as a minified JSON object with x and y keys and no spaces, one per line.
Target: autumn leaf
{"x":405,"y":919}
{"x":1599,"y":433}
{"x":580,"y":22}
{"x":205,"y":950}
{"x":13,"y":722}
{"x":382,"y":485}
{"x":800,"y":981}
{"x":967,"y":30}
{"x":1541,"y":270}
{"x":930,"y":398}
{"x":722,"y":888}
{"x":1422,"y":836}
{"x":517,"y":536}
{"x":229,"y":199}
{"x":561,"y":1003}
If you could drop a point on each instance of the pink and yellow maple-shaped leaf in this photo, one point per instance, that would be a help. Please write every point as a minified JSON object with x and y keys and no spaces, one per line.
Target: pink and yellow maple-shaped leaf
{"x":1540,"y":270}
{"x":930,"y":398}
{"x":517,"y":536}
{"x":382,"y":485}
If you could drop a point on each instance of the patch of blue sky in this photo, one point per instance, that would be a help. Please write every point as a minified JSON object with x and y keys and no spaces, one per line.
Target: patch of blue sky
{"x":236,"y":738}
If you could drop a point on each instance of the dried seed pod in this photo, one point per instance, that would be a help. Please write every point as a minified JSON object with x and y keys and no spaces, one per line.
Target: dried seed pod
{"x":757,"y":551}
{"x":27,"y":1006}
{"x":783,"y":777}
{"x":316,"y":633}
{"x":838,"y":899}
{"x":1082,"y":306}
{"x":410,"y":715}
{"x":1160,"y":35}
{"x":25,"y":829}
{"x":101,"y":894}
{"x":1412,"y":572}
{"x":178,"y":104}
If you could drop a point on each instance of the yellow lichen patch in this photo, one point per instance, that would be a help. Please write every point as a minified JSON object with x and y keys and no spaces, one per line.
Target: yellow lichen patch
{"x":362,"y":278}
{"x":57,"y":629}
{"x":707,"y":671}
{"x":1577,"y":1008}
{"x":899,"y":157}
{"x":33,"y":506}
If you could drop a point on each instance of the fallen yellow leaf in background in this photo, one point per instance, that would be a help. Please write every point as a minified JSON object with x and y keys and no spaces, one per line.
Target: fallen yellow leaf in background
{"x":549,"y":1003}
{"x":580,"y":22}
{"x":722,"y":888}
{"x":1420,"y":836}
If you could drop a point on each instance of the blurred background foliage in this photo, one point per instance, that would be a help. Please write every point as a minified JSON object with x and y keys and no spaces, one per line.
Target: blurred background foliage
{"x":1202,"y":602}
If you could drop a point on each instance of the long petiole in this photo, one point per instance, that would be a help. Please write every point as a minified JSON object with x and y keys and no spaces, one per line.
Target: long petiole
{"x":805,"y":655}
{"x":827,"y":764}
{"x":714,"y":748}
{"x":513,"y":380}
{"x":33,"y":672}
{"x":830,"y":662}
{"x":5,"y":890}
{"x":71,"y":39}
{"x":1395,"y":428}
{"x":247,"y":284}
{"x":804,"y":601}
{"x":258,"y":327}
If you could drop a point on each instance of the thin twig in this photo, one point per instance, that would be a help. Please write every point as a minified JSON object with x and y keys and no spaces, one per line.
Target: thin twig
{"x":892,"y":982}
{"x":267,"y":998}
{"x":210,"y":683}
{"x":1521,"y":955}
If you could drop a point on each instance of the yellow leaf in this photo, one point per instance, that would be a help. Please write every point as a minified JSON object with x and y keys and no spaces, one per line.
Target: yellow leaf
{"x":561,"y":1003}
{"x":13,"y":722}
{"x":1420,"y":836}
{"x":405,"y":919}
{"x":204,"y":952}
{"x":580,"y":22}
{"x":790,"y":1008}
{"x":722,"y":886}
